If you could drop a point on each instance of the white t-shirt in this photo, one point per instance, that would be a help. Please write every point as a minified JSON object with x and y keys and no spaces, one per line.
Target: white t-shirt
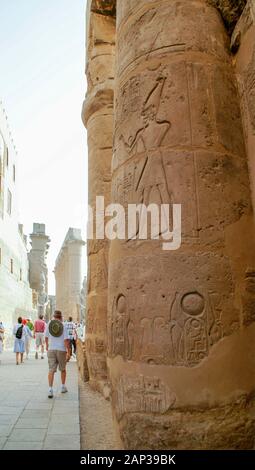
{"x":71,"y":327}
{"x":57,"y":344}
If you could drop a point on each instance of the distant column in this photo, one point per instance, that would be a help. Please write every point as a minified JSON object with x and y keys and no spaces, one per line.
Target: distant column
{"x":68,"y":274}
{"x":38,"y":271}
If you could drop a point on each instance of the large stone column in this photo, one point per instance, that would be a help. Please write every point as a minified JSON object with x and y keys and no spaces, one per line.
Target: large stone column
{"x":68,"y":274}
{"x":75,"y":250}
{"x":98,"y":118}
{"x":38,"y":271}
{"x":243,"y":47}
{"x":181,"y":324}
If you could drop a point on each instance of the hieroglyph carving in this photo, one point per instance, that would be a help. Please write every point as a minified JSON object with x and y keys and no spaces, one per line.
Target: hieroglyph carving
{"x":183,"y":339}
{"x":194,"y":327}
{"x":142,"y":395}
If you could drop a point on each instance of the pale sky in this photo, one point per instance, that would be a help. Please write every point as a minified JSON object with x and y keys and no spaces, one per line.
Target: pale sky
{"x":42,"y":86}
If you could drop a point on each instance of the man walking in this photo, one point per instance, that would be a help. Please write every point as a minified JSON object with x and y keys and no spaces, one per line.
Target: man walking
{"x":72,"y":335}
{"x":39,"y":331}
{"x":57,"y":347}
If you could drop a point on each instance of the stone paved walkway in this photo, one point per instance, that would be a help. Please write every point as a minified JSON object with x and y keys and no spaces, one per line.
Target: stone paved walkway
{"x":30,"y":420}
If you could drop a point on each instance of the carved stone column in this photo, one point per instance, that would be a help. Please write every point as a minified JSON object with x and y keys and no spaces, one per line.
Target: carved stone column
{"x":243,"y":47}
{"x":181,"y":327}
{"x":38,"y":270}
{"x":98,"y":118}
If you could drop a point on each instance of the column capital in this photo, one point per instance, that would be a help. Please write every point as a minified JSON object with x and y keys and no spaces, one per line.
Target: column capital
{"x":100,"y":98}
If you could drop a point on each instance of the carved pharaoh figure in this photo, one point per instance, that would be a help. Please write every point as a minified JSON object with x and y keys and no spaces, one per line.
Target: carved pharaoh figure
{"x":122,"y":329}
{"x":150,"y":181}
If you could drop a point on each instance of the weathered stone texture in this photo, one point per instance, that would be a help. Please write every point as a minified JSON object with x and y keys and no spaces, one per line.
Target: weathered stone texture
{"x":104,"y":7}
{"x":234,"y":421}
{"x":243,"y":46}
{"x":98,"y":118}
{"x":81,"y":360}
{"x":180,"y":325}
{"x":230,"y":10}
{"x":176,"y":319}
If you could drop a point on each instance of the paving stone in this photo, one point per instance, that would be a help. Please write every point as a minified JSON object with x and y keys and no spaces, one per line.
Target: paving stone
{"x":63,"y":428}
{"x":10,"y":410}
{"x":8,"y":419}
{"x":32,"y":423}
{"x":63,"y":419}
{"x":64,"y":408}
{"x":67,"y":397}
{"x":27,"y":435}
{"x":72,"y":442}
{"x":36,"y":414}
{"x":5,"y":430}
{"x":12,"y":445}
{"x":28,"y":418}
{"x":2,"y":442}
{"x":16,"y":403}
{"x":37,"y":406}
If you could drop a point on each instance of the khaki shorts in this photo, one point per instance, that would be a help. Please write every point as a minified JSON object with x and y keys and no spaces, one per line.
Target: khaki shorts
{"x":39,"y":339}
{"x":57,"y":359}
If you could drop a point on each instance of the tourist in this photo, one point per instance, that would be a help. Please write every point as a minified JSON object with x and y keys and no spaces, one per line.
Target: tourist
{"x":1,"y":338}
{"x":39,"y":331}
{"x":30,"y":324}
{"x":72,"y":335}
{"x":28,"y":337}
{"x":20,"y":331}
{"x":79,"y":331}
{"x":57,"y":346}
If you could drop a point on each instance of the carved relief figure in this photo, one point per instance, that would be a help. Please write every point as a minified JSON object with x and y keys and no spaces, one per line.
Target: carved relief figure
{"x":122,"y":329}
{"x":248,"y":297}
{"x":194,"y":328}
{"x":250,"y":90}
{"x":97,"y":365}
{"x":101,"y":271}
{"x":149,"y":180}
{"x":155,"y":340}
{"x":89,"y":322}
